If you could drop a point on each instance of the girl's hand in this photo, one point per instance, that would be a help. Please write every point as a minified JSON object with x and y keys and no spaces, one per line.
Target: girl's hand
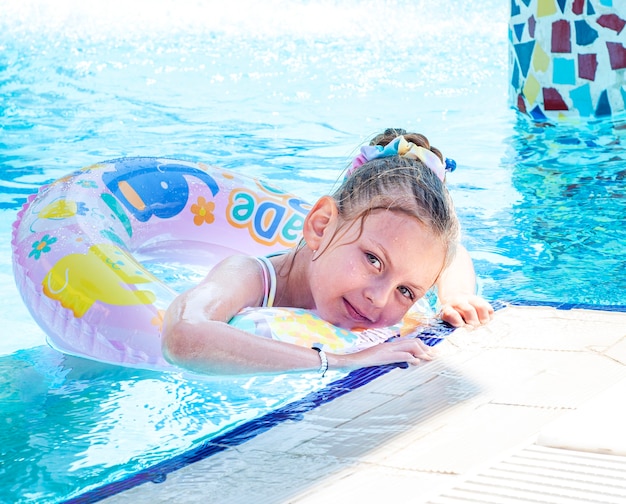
{"x":466,"y":309}
{"x":412,"y":351}
{"x":455,"y":288}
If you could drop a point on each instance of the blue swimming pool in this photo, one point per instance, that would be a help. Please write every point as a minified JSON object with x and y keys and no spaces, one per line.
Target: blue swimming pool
{"x":285,"y":91}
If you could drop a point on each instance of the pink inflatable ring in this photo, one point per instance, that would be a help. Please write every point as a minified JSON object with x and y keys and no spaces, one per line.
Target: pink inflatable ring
{"x":78,"y":246}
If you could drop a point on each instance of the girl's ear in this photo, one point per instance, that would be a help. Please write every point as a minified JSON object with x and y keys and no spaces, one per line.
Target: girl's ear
{"x":320,"y":222}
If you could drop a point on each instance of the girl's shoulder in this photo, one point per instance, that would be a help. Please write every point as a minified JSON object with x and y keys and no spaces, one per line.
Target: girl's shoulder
{"x":238,"y":263}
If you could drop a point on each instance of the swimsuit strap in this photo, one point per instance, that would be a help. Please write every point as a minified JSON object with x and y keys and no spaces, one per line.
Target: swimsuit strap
{"x":269,"y":281}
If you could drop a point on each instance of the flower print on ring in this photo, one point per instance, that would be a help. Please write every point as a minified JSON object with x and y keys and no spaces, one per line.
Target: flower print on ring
{"x":42,"y":246}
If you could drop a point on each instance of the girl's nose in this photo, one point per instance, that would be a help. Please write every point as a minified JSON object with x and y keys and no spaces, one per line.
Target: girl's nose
{"x":378,"y":294}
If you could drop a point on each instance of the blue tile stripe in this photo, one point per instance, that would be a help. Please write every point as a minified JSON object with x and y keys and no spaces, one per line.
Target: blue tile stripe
{"x":569,"y":306}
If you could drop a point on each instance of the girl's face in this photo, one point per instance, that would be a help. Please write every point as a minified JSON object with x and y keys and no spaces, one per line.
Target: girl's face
{"x":372,"y":279}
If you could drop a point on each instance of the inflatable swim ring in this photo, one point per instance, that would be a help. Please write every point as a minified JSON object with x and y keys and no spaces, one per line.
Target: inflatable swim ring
{"x":81,"y":243}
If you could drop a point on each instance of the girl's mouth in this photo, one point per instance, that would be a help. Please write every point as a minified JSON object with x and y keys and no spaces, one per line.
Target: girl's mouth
{"x":355,"y":314}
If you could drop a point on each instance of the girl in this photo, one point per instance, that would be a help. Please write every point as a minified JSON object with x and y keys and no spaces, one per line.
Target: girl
{"x":367,"y":254}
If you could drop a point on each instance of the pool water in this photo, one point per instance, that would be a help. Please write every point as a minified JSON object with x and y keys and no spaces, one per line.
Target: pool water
{"x":285,"y":91}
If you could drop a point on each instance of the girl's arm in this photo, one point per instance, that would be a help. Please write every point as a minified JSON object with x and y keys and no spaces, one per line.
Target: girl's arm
{"x":196,"y":335}
{"x":456,"y":289}
{"x":213,"y":347}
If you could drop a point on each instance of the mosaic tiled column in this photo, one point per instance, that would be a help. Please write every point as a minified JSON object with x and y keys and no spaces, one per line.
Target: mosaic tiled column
{"x":568,"y":58}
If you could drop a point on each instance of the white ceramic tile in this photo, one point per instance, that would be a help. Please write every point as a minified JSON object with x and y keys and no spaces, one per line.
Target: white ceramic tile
{"x":598,"y":426}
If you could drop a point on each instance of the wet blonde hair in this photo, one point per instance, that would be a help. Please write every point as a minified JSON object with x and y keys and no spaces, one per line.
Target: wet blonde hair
{"x":402,"y":185}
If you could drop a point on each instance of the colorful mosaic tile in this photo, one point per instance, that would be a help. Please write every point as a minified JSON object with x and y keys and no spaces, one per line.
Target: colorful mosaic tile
{"x":568,"y":58}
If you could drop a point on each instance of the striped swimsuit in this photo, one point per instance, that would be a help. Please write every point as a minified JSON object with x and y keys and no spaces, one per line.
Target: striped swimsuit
{"x":269,"y":281}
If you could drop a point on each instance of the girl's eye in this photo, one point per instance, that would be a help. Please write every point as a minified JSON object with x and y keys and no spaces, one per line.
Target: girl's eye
{"x":406,"y":292}
{"x":374,"y":261}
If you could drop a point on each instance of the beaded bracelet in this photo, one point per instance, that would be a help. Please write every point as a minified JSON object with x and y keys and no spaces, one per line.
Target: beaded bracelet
{"x":323,"y":360}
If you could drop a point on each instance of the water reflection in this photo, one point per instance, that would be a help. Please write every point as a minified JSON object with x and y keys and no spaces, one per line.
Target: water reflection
{"x":69,"y":423}
{"x":569,"y":221}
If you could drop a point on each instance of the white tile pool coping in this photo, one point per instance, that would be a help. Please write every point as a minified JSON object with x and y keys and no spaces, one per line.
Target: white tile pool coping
{"x":531,"y":408}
